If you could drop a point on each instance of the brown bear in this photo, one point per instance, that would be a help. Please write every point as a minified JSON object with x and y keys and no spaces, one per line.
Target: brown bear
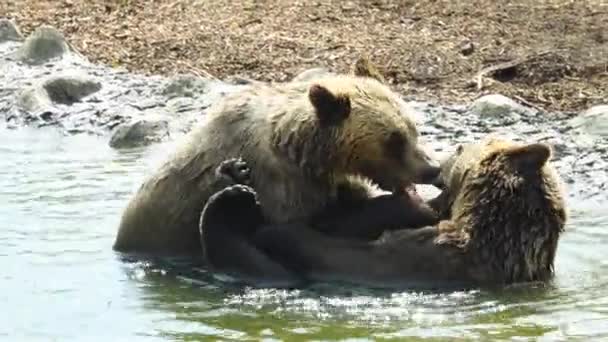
{"x":504,"y":212}
{"x":308,"y":144}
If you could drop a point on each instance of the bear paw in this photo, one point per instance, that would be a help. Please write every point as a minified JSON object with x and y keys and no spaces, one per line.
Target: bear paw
{"x":234,"y":208}
{"x":234,"y":171}
{"x":234,"y":197}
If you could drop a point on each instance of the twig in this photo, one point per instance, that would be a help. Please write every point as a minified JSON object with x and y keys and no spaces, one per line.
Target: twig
{"x":528,"y":103}
{"x":504,"y":66}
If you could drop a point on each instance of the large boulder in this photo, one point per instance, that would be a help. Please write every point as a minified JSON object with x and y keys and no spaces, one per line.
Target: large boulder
{"x":43,"y":45}
{"x":62,"y":89}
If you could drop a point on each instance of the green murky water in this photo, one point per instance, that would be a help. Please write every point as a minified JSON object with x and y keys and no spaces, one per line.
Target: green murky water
{"x":60,"y":202}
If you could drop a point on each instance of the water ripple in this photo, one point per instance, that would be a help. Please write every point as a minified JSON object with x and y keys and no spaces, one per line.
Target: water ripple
{"x":61,"y":201}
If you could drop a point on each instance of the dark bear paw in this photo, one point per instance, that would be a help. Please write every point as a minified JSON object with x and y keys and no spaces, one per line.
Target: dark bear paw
{"x":234,"y":171}
{"x":234,"y":197}
{"x":235,"y":206}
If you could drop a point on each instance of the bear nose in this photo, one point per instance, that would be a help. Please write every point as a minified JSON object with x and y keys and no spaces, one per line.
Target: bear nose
{"x":439,"y":182}
{"x":430,"y":175}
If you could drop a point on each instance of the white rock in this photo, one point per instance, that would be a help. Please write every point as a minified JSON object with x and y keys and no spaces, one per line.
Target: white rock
{"x":497,"y":106}
{"x":593,"y":121}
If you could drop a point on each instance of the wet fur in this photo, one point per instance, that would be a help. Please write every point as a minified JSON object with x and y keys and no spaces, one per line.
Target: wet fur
{"x":504,"y":213}
{"x":508,"y":211}
{"x":297,"y":166}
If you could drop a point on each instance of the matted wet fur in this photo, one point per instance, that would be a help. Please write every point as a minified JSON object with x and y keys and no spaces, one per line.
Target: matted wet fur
{"x":307,"y":143}
{"x":505,"y":213}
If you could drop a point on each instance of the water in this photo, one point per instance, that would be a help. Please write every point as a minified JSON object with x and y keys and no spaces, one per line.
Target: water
{"x":60,"y":203}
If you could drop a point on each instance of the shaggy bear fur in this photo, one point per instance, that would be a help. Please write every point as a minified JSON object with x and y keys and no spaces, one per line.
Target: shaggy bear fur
{"x":504,"y":212}
{"x":309,"y":145}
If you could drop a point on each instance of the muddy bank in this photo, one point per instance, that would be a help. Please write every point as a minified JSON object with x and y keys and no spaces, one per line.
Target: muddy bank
{"x":45,"y":83}
{"x":553,"y":54}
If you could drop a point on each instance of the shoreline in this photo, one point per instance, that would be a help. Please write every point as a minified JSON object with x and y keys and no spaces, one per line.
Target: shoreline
{"x":551,"y":55}
{"x":69,"y":93}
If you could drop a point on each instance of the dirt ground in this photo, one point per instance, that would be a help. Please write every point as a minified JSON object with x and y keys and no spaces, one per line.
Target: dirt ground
{"x":549,"y":54}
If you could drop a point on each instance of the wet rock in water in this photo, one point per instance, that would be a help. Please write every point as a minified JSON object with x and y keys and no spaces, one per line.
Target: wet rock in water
{"x":9,"y":31}
{"x":311,"y":74}
{"x":497,"y":106}
{"x":42,"y":45}
{"x":139,"y":133}
{"x":593,"y":121}
{"x":63,"y":89}
{"x":185,"y":86}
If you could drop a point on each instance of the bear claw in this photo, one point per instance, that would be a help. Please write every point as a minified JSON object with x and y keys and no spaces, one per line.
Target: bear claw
{"x":235,"y":205}
{"x":236,"y":197}
{"x":234,"y":209}
{"x":235,"y":171}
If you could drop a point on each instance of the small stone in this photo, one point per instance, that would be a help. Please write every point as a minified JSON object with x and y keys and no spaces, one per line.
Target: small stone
{"x":43,"y":45}
{"x":63,"y":89}
{"x":139,"y":133}
{"x":310,"y":74}
{"x":466,"y":48}
{"x":9,"y":31}
{"x":34,"y":99}
{"x":497,"y":106}
{"x":593,"y":121}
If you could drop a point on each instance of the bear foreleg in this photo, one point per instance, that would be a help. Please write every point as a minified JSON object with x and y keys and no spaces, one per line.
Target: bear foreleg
{"x":227,"y":224}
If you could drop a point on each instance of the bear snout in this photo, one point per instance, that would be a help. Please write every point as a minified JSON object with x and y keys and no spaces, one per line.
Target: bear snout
{"x":429,"y":175}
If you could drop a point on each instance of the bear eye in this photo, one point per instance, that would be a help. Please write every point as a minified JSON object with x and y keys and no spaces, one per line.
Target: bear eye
{"x":395,"y":146}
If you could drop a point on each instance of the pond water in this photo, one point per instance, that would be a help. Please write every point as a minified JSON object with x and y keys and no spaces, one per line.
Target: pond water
{"x":60,"y":203}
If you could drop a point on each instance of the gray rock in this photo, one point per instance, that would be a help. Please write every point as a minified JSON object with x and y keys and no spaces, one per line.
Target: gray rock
{"x":45,"y":44}
{"x":310,"y":74}
{"x":593,"y":121}
{"x":139,"y":133}
{"x":497,"y":106}
{"x":466,"y":47}
{"x":185,"y":86}
{"x":63,"y":89}
{"x":9,"y":31}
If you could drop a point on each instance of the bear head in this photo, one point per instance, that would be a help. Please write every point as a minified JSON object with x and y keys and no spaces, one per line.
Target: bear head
{"x":368,"y":130}
{"x":504,"y":205}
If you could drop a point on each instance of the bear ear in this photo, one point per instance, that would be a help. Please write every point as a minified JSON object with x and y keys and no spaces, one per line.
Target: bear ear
{"x":363,"y":67}
{"x":532,"y":156}
{"x":330,"y":109}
